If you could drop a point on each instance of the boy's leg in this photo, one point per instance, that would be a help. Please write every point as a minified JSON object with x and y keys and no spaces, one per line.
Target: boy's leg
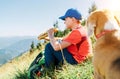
{"x":68,"y":57}
{"x":51,"y":56}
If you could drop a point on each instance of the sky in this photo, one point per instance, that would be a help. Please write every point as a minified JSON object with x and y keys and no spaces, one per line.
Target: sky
{"x":32,"y":17}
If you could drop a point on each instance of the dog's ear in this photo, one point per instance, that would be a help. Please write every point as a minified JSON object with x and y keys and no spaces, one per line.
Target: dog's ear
{"x":117,"y":19}
{"x":90,"y":28}
{"x":91,"y":23}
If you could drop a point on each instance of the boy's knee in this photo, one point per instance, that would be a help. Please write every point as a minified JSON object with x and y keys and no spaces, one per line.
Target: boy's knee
{"x":48,"y":45}
{"x":48,"y":48}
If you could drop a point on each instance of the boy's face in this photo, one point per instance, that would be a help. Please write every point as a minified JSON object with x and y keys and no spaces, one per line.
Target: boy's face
{"x":68,"y":22}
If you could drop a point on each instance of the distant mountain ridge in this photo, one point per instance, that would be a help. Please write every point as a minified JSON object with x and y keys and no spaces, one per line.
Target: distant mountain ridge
{"x":16,"y":46}
{"x":7,"y":41}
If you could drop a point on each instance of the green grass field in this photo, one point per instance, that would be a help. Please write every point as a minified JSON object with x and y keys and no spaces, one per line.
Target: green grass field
{"x":81,"y":71}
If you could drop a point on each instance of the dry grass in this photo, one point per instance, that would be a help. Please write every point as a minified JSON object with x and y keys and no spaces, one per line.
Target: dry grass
{"x":8,"y":70}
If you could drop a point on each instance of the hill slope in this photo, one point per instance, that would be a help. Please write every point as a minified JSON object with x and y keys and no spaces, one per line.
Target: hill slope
{"x":8,"y":70}
{"x":15,"y":48}
{"x":15,"y":69}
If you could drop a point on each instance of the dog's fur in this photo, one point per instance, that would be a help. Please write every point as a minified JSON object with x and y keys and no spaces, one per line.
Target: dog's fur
{"x":106,"y":58}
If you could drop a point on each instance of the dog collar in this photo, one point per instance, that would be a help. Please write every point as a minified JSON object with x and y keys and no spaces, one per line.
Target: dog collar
{"x":102,"y":33}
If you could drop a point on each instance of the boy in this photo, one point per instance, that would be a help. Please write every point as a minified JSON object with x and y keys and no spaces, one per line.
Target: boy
{"x":75,"y":46}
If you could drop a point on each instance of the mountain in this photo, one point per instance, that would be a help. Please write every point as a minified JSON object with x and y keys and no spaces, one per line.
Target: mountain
{"x":14,"y":46}
{"x":7,"y":41}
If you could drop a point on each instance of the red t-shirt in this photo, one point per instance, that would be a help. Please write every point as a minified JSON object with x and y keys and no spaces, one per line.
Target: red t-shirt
{"x":80,"y":45}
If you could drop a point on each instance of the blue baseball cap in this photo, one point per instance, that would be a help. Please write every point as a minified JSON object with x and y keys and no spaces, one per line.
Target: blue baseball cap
{"x":72,"y":13}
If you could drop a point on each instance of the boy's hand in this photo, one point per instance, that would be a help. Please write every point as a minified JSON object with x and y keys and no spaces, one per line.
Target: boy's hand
{"x":50,"y":32}
{"x":47,"y":38}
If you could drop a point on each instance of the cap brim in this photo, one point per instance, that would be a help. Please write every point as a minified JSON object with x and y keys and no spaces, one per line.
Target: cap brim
{"x":62,"y":17}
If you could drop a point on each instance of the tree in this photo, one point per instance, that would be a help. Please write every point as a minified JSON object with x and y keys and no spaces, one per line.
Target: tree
{"x":60,"y":33}
{"x":32,"y":47}
{"x":83,"y":22}
{"x":92,"y":8}
{"x":55,"y":25}
{"x":39,"y":46}
{"x":66,"y":31}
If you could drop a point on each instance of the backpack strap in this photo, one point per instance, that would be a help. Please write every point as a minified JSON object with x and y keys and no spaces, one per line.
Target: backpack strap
{"x":82,"y":40}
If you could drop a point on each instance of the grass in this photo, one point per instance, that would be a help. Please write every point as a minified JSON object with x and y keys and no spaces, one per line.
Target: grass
{"x":17,"y":65}
{"x":81,"y":71}
{"x":21,"y":74}
{"x":17,"y":69}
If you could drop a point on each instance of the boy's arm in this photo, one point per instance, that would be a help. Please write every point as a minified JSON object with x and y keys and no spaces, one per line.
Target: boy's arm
{"x":55,"y":44}
{"x":56,"y":38}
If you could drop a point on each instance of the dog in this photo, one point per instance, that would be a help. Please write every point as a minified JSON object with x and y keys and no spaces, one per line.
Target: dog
{"x":106,"y":28}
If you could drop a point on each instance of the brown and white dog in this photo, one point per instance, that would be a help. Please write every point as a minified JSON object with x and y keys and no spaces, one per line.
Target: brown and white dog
{"x":106,"y":58}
